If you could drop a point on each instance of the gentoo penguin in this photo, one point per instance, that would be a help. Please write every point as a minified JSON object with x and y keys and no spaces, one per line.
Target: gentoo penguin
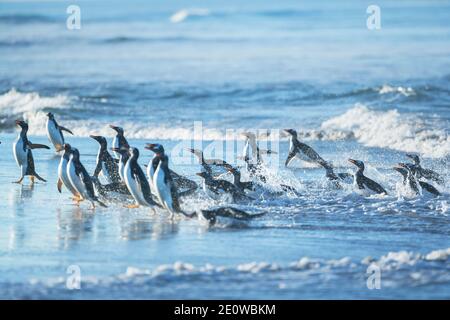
{"x":119,"y":140}
{"x":136,"y":181}
{"x":164,"y":186}
{"x":406,"y":170}
{"x":256,"y":152}
{"x":216,"y":188}
{"x":364,"y":183}
{"x":55,"y":132}
{"x":180,"y":181}
{"x":22,"y":153}
{"x":243,"y":185}
{"x":80,"y":179}
{"x":63,"y":177}
{"x":209,"y":165}
{"x":105,"y":162}
{"x":124,"y":155}
{"x":226,"y":215}
{"x":420,"y":172}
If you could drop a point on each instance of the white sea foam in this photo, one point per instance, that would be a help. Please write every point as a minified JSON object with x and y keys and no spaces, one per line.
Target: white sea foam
{"x":183,"y":14}
{"x":406,"y":91}
{"x":390,"y":129}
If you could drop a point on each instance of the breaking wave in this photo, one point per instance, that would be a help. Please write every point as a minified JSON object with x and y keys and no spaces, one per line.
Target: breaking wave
{"x":184,"y":14}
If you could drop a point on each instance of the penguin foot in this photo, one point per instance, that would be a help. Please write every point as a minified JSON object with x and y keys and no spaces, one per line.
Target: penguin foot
{"x":131,"y":206}
{"x":18,"y":181}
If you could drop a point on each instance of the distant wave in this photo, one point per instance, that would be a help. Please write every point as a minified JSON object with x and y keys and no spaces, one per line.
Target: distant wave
{"x":393,"y":130}
{"x":127,"y":39}
{"x":184,"y":14}
{"x":24,"y":19}
{"x":399,"y":269}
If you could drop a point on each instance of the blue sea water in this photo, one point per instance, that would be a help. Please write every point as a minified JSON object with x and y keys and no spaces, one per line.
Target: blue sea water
{"x":155,"y":68}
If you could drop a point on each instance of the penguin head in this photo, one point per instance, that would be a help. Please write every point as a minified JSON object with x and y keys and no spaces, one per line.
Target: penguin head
{"x":67,"y":147}
{"x":22,"y":124}
{"x":400,"y":169}
{"x":119,"y":130}
{"x":204,"y":175}
{"x":134,"y":153}
{"x":75,"y":154}
{"x":122,"y":151}
{"x":249,"y":135}
{"x":197,"y":152}
{"x":357,"y":163}
{"x":50,"y":116}
{"x":292,"y":132}
{"x":155,"y":147}
{"x":100,"y":140}
{"x":414,"y":157}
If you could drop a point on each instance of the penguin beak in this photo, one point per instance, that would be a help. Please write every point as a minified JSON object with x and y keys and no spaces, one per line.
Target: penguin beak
{"x":190,"y":150}
{"x":150,"y":146}
{"x":115,"y":128}
{"x":115,"y":149}
{"x":96,"y":138}
{"x":352,"y":161}
{"x":200,"y":174}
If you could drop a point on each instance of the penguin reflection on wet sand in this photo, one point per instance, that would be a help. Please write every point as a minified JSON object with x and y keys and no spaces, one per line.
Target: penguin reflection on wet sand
{"x":406,"y":170}
{"x":63,"y":177}
{"x":137,"y":183}
{"x":364,"y":183}
{"x":55,"y":132}
{"x":106,"y":165}
{"x":22,"y":153}
{"x":420,"y":172}
{"x":80,"y":179}
{"x":119,"y":140}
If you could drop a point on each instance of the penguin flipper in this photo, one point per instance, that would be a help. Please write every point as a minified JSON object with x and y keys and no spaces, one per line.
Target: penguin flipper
{"x":101,"y":204}
{"x":37,"y":146}
{"x":290,"y":156}
{"x":429,"y":188}
{"x":65,"y":129}
{"x":59,"y":184}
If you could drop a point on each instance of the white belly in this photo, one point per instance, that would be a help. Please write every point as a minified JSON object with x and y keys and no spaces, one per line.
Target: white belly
{"x":162,"y":190}
{"x":54,"y":135}
{"x":150,"y":175}
{"x":19,"y":154}
{"x":62,"y":174}
{"x":134,"y":187}
{"x":121,"y":171}
{"x":115,"y":144}
{"x":75,"y":180}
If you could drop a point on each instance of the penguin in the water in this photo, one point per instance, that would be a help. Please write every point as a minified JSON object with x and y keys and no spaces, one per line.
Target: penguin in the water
{"x":215,"y":188}
{"x":256,"y":151}
{"x":136,"y":181}
{"x":406,"y":170}
{"x":55,"y":132}
{"x":105,"y":162}
{"x":63,"y":178}
{"x":420,"y":172}
{"x":81,"y":180}
{"x":119,"y":140}
{"x":164,"y":185}
{"x":210,"y":166}
{"x":243,"y":185}
{"x":229,"y":214}
{"x":364,"y":183}
{"x":22,"y":153}
{"x":179,"y":181}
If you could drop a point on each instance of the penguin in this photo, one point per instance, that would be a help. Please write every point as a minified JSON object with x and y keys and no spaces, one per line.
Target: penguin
{"x":364,"y":183}
{"x":63,"y":178}
{"x":226,"y":215}
{"x":22,"y":153}
{"x":119,"y":140}
{"x":210,"y":166}
{"x":256,"y":152}
{"x":105,"y":162}
{"x":406,"y":170}
{"x":243,"y":185}
{"x":420,"y":172}
{"x":164,"y":186}
{"x":215,"y":188}
{"x":179,"y":181}
{"x":124,"y":155}
{"x":136,"y":181}
{"x":80,"y":179}
{"x":55,"y":132}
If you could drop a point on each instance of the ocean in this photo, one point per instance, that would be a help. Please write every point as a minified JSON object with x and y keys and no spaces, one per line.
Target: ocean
{"x":197,"y":74}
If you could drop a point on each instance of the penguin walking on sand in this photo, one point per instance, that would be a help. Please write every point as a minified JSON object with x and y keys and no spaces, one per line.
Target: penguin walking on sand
{"x":106,"y":165}
{"x":55,"y":132}
{"x":22,"y":153}
{"x":180,"y":181}
{"x":364,"y":183}
{"x":406,"y":170}
{"x":80,"y":179}
{"x":119,"y":140}
{"x":136,"y":182}
{"x":63,"y":177}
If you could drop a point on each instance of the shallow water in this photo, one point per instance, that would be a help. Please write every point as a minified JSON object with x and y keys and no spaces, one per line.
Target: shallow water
{"x":350,"y":92}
